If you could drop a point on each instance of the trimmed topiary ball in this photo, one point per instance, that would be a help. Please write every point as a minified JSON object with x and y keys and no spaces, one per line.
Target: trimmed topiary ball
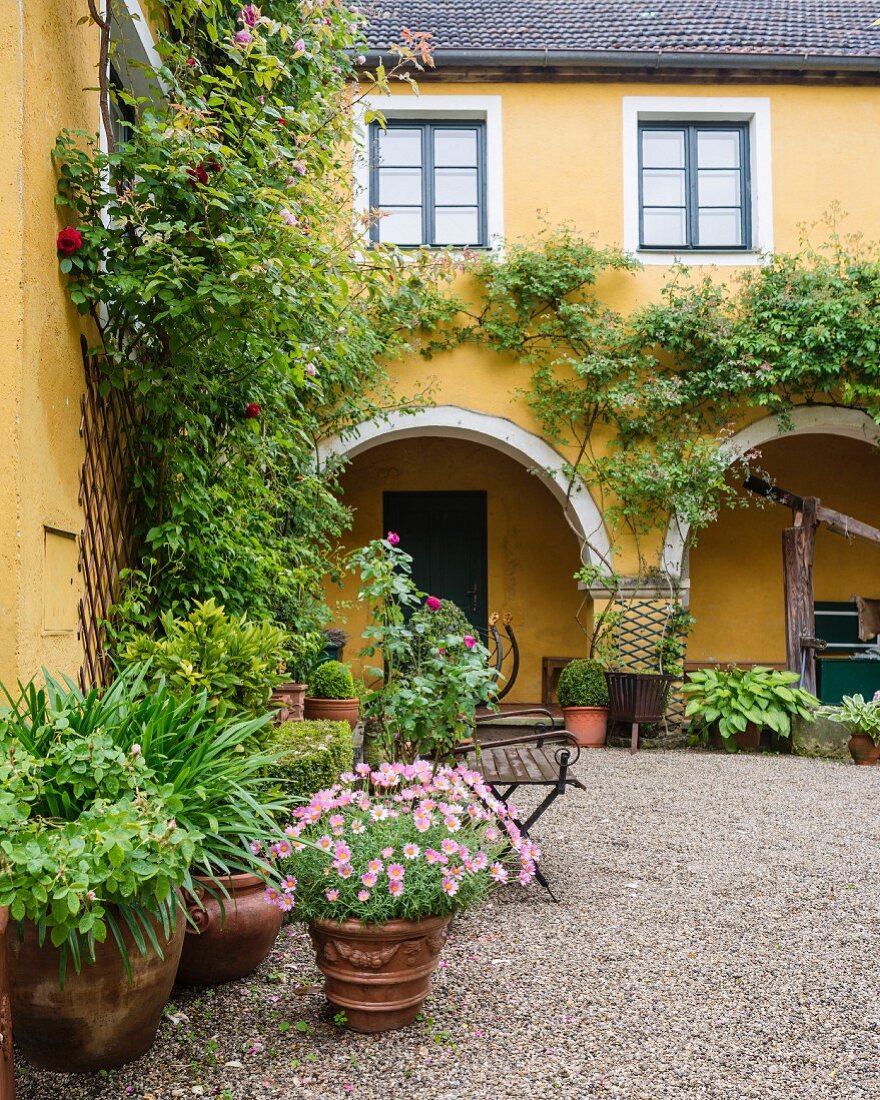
{"x":331,"y":680}
{"x":582,"y":684}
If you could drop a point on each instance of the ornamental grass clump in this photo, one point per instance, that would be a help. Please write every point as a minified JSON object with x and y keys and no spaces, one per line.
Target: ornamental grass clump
{"x":403,"y":841}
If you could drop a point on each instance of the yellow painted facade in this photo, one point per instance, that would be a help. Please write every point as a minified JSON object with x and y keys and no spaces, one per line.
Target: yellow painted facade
{"x":563,"y":161}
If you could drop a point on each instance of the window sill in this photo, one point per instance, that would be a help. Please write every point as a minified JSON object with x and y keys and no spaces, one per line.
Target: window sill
{"x":694,"y":257}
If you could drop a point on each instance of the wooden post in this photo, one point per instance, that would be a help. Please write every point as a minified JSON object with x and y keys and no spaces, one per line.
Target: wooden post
{"x":7,"y":1076}
{"x":797,"y":564}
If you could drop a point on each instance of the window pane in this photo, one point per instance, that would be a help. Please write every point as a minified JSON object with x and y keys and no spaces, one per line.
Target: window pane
{"x":456,"y":226}
{"x":718,"y":149}
{"x":721,"y":228}
{"x":400,"y":146}
{"x":664,"y":227}
{"x":662,"y":187}
{"x":401,"y":226}
{"x":456,"y":186}
{"x":719,"y":188}
{"x":400,"y":186}
{"x":453,"y":148}
{"x":663,"y":148}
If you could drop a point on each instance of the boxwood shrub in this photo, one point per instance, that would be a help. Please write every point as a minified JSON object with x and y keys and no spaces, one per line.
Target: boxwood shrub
{"x":313,"y":754}
{"x":331,"y":680}
{"x":582,"y":684}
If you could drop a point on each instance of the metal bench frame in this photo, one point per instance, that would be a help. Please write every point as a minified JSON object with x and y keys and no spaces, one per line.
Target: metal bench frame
{"x":556,"y":777}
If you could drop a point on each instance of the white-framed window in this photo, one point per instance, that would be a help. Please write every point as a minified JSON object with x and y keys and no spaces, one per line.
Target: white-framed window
{"x":435,"y":168}
{"x":697,"y":179}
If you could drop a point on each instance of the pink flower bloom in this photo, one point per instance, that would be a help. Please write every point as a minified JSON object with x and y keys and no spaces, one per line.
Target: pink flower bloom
{"x":288,"y":217}
{"x":286,"y":903}
{"x":432,"y":603}
{"x":411,"y":851}
{"x":470,"y":641}
{"x":498,"y":872}
{"x":272,"y":895}
{"x":387,"y":853}
{"x":342,"y":851}
{"x":135,"y":749}
{"x":433,"y":856}
{"x":358,"y":827}
{"x":450,"y":887}
{"x":311,"y":370}
{"x":361,"y":60}
{"x":375,"y":866}
{"x":395,"y":870}
{"x":249,"y":15}
{"x":364,"y":895}
{"x":362,"y":769}
{"x":452,"y":823}
{"x":449,"y":846}
{"x":369,"y":879}
{"x":491,"y":834}
{"x":300,"y":45}
{"x":525,"y":878}
{"x":191,"y":62}
{"x":256,"y":847}
{"x":393,"y":538}
{"x":345,"y":870}
{"x":422,"y":822}
{"x":242,"y":38}
{"x":395,"y":887}
{"x":288,"y":884}
{"x":332,"y":895}
{"x":480,"y":861}
{"x":455,"y":872}
{"x":325,"y":843}
{"x":284,"y":848}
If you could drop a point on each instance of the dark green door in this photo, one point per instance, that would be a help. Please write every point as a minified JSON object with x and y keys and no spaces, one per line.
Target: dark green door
{"x":445,"y":534}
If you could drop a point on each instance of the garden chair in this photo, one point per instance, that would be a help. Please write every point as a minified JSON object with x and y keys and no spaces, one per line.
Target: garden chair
{"x":528,"y":759}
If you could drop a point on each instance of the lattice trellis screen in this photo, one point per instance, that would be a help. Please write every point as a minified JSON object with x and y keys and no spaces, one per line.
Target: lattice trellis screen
{"x":639,"y":630}
{"x":105,"y":498}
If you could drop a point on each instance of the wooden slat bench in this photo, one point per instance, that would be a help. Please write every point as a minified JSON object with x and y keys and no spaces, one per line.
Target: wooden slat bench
{"x":538,"y":759}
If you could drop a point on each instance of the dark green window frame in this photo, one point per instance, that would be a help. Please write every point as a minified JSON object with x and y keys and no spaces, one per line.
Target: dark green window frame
{"x":428,"y":204}
{"x":691,"y":206}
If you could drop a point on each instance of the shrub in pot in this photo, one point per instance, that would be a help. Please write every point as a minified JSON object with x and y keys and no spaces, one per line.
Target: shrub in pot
{"x":862,"y":719}
{"x":331,"y":694}
{"x":379,"y":864}
{"x":582,"y":692}
{"x":740,"y":702}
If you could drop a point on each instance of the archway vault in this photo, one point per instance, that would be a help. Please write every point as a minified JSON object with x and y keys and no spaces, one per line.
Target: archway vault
{"x":526,"y":448}
{"x":805,"y":420}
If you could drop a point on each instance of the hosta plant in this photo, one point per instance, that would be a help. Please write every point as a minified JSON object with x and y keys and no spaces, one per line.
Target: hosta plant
{"x":732,"y":698}
{"x":857,"y":714}
{"x":403,"y":841}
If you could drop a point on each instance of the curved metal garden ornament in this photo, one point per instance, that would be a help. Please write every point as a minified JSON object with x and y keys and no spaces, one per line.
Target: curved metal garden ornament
{"x":503,"y":651}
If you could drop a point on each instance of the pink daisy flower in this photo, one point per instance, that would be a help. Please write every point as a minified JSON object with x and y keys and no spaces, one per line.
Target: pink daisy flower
{"x":411,"y":851}
{"x":332,"y":895}
{"x":369,"y":879}
{"x":286,"y":903}
{"x":272,"y":895}
{"x":395,"y":871}
{"x":325,"y":843}
{"x":395,"y":888}
{"x":375,"y":866}
{"x":450,"y":887}
{"x":449,"y":846}
{"x":498,"y":872}
{"x":364,"y":895}
{"x":387,"y":853}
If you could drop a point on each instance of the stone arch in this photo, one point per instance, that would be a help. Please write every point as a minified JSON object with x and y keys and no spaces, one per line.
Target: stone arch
{"x":805,"y":420}
{"x":502,"y":435}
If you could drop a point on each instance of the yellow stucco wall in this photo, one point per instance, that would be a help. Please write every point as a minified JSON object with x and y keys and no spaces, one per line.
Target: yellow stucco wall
{"x":563,"y":160}
{"x":533,"y":554}
{"x":45,"y":66}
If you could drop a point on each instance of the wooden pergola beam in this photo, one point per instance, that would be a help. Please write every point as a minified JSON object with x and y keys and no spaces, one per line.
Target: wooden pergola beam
{"x":835,"y":521}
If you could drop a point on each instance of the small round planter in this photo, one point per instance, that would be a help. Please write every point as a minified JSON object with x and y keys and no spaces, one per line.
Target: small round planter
{"x":336,"y":710}
{"x":289,"y":698}
{"x":863,"y":750}
{"x":233,"y":934}
{"x":378,"y":975}
{"x":588,"y":724}
{"x":97,"y":1021}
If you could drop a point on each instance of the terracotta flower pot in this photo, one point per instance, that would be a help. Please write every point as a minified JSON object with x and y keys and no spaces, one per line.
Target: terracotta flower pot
{"x":863,"y":750}
{"x":336,"y":710}
{"x":234,"y":934}
{"x":378,"y":975}
{"x":588,"y":724}
{"x":749,"y":740}
{"x":97,"y":1021}
{"x":290,"y":700}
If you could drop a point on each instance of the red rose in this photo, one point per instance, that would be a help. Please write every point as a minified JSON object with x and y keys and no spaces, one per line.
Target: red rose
{"x":69,"y":240}
{"x":197,"y":175}
{"x":432,"y":603}
{"x":213,"y":165}
{"x":252,"y":411}
{"x":191,"y":61}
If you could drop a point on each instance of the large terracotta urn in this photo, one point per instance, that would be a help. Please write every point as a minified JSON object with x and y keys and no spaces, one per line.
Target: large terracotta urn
{"x":378,"y":975}
{"x":97,"y":1020}
{"x":232,"y":934}
{"x":334,"y":710}
{"x":588,"y":724}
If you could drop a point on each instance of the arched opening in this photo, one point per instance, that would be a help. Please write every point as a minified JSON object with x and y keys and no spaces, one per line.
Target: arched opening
{"x":449,"y":485}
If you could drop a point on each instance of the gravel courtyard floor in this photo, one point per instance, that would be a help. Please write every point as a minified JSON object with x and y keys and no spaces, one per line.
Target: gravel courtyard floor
{"x":717,"y":936}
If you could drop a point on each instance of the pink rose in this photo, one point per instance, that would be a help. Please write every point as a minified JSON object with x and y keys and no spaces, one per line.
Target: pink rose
{"x":393,"y":538}
{"x":242,"y":38}
{"x":432,"y":603}
{"x":470,"y":641}
{"x":300,"y":45}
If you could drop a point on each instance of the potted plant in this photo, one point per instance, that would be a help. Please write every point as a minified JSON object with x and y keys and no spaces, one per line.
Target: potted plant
{"x":94,"y":854}
{"x":739,"y":703}
{"x":862,"y":718}
{"x":303,"y":653}
{"x":583,"y":695}
{"x":331,"y":694}
{"x":392,"y":855}
{"x":335,"y":641}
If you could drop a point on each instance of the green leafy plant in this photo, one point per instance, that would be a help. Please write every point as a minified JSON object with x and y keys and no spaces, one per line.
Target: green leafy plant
{"x":235,"y":661}
{"x":331,"y":680}
{"x":857,"y":714}
{"x":582,"y":684}
{"x":431,"y":626}
{"x":430,"y":684}
{"x":310,"y":757}
{"x":732,"y":698}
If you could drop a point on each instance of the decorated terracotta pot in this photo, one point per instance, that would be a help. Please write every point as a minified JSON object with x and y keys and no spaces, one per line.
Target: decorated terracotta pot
{"x":98,"y":1020}
{"x":378,"y":975}
{"x":232,"y":935}
{"x":289,"y":699}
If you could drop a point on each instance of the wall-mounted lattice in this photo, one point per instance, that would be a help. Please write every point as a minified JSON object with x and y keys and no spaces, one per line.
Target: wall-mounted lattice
{"x":639,"y":630}
{"x":105,"y":498}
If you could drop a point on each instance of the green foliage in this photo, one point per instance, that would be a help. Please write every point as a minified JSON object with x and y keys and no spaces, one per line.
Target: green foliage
{"x":235,"y":661}
{"x":310,"y":757}
{"x":431,"y":628}
{"x":430,"y":684}
{"x":233,"y":322}
{"x":331,"y":680}
{"x":858,"y":714}
{"x":731,"y":698}
{"x":582,"y":684}
{"x":303,"y":653}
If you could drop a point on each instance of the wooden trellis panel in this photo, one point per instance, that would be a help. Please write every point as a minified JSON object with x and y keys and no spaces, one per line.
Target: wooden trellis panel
{"x":639,"y":631}
{"x":105,"y":498}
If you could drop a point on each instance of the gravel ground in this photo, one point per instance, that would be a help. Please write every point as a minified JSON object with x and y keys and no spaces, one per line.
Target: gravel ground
{"x":717,"y":936}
